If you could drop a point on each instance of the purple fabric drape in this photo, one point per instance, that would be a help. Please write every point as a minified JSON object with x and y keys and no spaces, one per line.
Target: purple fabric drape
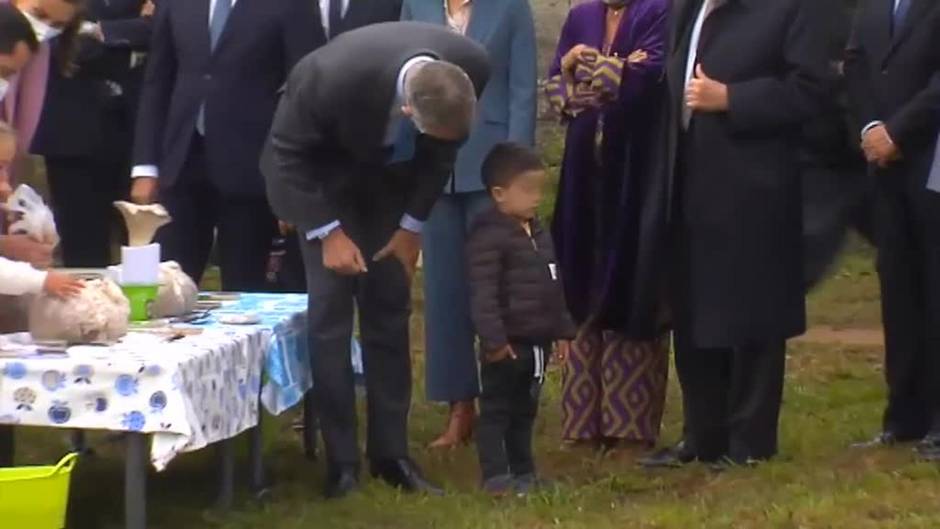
{"x":597,"y":220}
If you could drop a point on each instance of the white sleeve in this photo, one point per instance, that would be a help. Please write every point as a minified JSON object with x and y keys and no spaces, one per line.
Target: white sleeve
{"x":17,"y":279}
{"x":145,"y":171}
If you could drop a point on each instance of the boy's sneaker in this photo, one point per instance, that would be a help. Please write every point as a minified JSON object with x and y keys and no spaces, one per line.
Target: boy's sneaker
{"x":531,"y":483}
{"x":499,"y":486}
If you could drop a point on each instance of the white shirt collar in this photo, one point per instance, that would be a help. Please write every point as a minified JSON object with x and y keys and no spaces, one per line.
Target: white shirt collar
{"x":414,"y":61}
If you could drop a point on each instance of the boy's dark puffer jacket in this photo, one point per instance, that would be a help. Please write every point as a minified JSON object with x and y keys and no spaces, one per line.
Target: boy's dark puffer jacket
{"x":515,"y":287}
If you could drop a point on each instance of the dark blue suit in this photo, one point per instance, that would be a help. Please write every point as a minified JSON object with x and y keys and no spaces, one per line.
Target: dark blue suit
{"x":212,"y":182}
{"x":85,"y":131}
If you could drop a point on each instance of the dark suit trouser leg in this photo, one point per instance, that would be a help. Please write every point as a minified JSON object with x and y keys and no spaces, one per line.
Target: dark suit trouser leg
{"x":704,"y":374}
{"x":194,"y":207}
{"x":732,"y":398}
{"x":246,"y":228}
{"x":902,"y":270}
{"x":83,"y":191}
{"x":330,"y":316}
{"x":754,"y":399}
{"x":384,"y":303}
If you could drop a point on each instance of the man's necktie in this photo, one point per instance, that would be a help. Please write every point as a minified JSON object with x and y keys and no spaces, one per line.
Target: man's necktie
{"x":219,"y":17}
{"x":336,"y":17}
{"x":900,"y":15}
{"x":403,"y":146}
{"x":223,"y":8}
{"x":933,"y":183}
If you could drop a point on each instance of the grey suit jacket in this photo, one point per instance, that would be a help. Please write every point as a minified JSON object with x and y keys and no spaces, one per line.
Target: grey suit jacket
{"x":329,"y":129}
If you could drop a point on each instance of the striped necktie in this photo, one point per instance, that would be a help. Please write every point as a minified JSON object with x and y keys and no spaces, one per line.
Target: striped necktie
{"x":219,"y":17}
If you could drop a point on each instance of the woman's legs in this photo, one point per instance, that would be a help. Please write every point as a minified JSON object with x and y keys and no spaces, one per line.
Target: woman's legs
{"x":451,"y":368}
{"x":614,"y":389}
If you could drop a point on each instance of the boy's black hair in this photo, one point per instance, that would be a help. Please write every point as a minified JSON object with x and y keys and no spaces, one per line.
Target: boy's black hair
{"x":506,"y":162}
{"x":15,"y":28}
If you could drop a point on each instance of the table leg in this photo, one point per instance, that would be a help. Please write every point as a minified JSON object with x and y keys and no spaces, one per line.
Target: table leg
{"x":79,"y":442}
{"x":257,"y":483}
{"x":6,"y":445}
{"x":226,"y":455}
{"x":135,"y":481}
{"x":311,"y":427}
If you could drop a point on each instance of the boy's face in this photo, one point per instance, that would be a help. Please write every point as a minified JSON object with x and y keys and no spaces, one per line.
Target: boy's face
{"x":521,"y":198}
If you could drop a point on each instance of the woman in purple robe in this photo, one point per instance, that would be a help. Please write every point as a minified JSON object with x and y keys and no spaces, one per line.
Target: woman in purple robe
{"x":606,"y":84}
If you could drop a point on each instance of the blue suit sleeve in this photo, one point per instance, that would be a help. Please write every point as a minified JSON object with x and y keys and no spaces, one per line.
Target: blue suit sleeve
{"x":523,"y":75}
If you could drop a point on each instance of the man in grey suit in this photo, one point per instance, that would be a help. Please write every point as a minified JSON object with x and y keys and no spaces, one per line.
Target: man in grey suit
{"x":363,"y":142}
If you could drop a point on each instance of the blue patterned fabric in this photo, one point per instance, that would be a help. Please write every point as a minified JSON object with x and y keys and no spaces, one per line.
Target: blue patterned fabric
{"x":287,"y":361}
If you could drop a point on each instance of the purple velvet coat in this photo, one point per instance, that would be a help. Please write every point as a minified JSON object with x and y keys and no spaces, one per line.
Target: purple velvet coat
{"x":602,"y":230}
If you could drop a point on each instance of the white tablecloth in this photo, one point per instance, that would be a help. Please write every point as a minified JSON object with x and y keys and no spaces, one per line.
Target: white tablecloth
{"x":188,"y":393}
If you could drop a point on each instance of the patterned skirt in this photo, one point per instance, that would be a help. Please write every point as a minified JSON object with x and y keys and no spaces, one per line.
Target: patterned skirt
{"x":614,"y":388}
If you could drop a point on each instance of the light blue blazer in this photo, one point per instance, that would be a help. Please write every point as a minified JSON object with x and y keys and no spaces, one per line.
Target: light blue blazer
{"x":506,"y":111}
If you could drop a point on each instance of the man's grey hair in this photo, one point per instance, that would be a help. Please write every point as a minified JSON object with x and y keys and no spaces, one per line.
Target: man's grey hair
{"x":442,"y":98}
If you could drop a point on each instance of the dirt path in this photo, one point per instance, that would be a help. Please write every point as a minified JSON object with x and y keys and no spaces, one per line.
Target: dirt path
{"x":830,"y":335}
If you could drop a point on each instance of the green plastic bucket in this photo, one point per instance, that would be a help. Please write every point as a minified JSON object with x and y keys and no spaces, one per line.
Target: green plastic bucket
{"x":36,"y":497}
{"x":142,"y":298}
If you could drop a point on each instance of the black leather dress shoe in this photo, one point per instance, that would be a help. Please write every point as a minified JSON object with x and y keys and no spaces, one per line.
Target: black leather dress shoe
{"x":405,"y":475}
{"x":729,"y":463}
{"x":340,"y":482}
{"x":672,"y":457}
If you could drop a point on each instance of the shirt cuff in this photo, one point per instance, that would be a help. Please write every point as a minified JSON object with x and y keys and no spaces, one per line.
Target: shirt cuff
{"x":409,"y":223}
{"x":870,"y":126}
{"x":322,"y":233}
{"x":145,"y":171}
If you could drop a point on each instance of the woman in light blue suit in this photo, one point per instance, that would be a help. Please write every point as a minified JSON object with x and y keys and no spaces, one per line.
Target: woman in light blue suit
{"x":506,"y":112}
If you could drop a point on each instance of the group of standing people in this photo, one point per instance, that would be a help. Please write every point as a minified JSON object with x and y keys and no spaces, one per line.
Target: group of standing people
{"x":679,"y":218}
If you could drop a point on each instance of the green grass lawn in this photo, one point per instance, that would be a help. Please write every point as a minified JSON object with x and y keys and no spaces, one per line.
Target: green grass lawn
{"x":834,"y":396}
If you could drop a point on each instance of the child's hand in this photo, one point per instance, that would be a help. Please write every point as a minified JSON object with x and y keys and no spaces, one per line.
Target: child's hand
{"x":62,"y":285}
{"x":562,"y":351}
{"x":500,"y":355}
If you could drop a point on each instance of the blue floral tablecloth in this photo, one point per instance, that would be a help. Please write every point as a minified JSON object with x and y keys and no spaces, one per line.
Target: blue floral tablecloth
{"x":188,"y":393}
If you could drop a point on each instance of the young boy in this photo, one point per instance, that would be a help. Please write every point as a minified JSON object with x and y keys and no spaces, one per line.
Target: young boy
{"x":17,"y":279}
{"x":519,"y":311}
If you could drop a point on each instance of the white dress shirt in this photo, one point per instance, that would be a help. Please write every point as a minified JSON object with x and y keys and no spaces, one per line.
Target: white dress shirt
{"x":325,"y":12}
{"x":408,"y":222}
{"x":152,"y":171}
